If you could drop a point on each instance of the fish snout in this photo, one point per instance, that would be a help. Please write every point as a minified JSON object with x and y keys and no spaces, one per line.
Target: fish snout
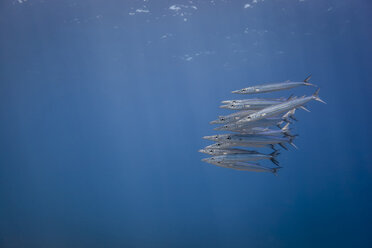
{"x":226,"y":106}
{"x":243,"y":120}
{"x":211,"y":137}
{"x":215,"y":122}
{"x":242,"y":91}
{"x":207,"y":160}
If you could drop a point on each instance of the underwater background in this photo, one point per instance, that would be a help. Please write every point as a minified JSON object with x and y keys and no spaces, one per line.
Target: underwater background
{"x":103,"y":104}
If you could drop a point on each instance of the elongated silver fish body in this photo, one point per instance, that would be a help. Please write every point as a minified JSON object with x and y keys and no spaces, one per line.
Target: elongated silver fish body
{"x":275,"y":134}
{"x":279,"y":108}
{"x":243,"y":166}
{"x":237,"y":126}
{"x":253,"y":100}
{"x":271,"y":87}
{"x":249,"y":105}
{"x":232,"y":117}
{"x":258,"y":139}
{"x":217,"y":137}
{"x":223,"y":145}
{"x":216,"y":151}
{"x":270,"y":132}
{"x":242,"y":157}
{"x":266,"y":131}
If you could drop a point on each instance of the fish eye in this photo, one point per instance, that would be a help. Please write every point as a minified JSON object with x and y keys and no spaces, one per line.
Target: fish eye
{"x":210,"y":150}
{"x":228,"y":137}
{"x":222,"y":119}
{"x":244,"y":90}
{"x":216,"y":136}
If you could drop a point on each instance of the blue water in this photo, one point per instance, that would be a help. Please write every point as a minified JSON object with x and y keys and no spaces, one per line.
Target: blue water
{"x":103,"y":105}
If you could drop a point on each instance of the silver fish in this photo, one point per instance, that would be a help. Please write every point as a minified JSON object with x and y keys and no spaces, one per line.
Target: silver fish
{"x":251,"y":140}
{"x":243,"y":166}
{"x":232,"y":117}
{"x":260,"y":139}
{"x":254,"y":100}
{"x":216,"y":151}
{"x":229,"y":158}
{"x":254,"y":131}
{"x":253,"y":167}
{"x":266,"y":131}
{"x":273,"y":87}
{"x":249,"y":105}
{"x":237,"y":126}
{"x":279,"y":108}
{"x":222,"y":145}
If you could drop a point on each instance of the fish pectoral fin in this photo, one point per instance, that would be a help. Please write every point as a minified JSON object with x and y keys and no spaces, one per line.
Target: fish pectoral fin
{"x":276,"y":162}
{"x":275,"y":170}
{"x":282,"y":145}
{"x":302,"y":107}
{"x":290,"y":97}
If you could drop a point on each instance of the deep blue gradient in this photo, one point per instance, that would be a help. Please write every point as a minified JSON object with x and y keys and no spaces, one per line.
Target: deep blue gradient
{"x":103,"y":107}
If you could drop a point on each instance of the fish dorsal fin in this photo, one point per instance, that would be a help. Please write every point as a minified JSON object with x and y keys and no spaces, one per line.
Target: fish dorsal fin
{"x":307,"y":79}
{"x":290,"y":97}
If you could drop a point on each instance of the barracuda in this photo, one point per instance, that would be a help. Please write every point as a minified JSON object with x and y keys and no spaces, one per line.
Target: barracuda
{"x":217,"y":151}
{"x":254,"y":100}
{"x":247,"y":157}
{"x":264,"y":88}
{"x":249,"y":105}
{"x":232,"y":117}
{"x":243,"y":166}
{"x":222,"y":145}
{"x":279,"y":108}
{"x":237,"y":126}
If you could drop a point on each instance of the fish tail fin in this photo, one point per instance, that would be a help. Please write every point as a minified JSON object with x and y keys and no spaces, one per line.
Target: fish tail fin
{"x":275,"y":153}
{"x":285,"y":128}
{"x":288,"y":134}
{"x":276,"y":162}
{"x":293,"y":118}
{"x":275,"y":170}
{"x":306,"y":81}
{"x":282,"y":145}
{"x":316,"y":96}
{"x":291,"y":142}
{"x":273,"y":147}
